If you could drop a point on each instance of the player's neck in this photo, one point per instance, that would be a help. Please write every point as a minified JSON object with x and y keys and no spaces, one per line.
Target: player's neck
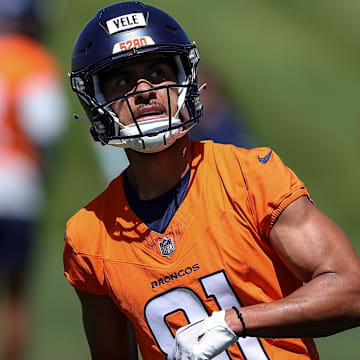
{"x":154,"y":174}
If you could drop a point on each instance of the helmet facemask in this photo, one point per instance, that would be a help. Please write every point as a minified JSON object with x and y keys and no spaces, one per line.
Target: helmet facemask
{"x":152,"y":135}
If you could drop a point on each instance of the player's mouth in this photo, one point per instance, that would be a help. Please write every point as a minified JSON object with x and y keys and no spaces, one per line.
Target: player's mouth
{"x":149,"y":112}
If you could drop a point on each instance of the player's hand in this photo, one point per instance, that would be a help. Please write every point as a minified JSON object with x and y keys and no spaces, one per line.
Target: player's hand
{"x":204,"y":339}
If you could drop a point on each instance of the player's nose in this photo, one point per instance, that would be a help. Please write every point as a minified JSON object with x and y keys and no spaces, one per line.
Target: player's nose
{"x":146,"y":96}
{"x":143,"y":84}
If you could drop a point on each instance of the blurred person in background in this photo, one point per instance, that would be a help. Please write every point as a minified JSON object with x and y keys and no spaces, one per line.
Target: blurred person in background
{"x":32,"y":117}
{"x":221,"y":122}
{"x":112,"y":160}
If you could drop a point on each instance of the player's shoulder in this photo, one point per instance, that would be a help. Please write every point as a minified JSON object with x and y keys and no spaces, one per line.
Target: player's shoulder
{"x":229,"y":155}
{"x":260,"y":156}
{"x":89,"y":219}
{"x":247,"y":166}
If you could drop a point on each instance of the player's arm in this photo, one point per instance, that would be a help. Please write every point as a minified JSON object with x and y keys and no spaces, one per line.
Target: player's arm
{"x":108,"y":331}
{"x":317,"y":251}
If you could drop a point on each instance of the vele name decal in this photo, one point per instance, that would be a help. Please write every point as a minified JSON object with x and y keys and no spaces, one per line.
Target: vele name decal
{"x":126,"y":22}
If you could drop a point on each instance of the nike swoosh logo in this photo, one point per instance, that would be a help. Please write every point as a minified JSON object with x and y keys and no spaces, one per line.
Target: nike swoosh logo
{"x":266,"y":158}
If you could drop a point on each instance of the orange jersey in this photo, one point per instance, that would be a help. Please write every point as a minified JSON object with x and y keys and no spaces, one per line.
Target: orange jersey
{"x":214,"y":254}
{"x":22,"y":60}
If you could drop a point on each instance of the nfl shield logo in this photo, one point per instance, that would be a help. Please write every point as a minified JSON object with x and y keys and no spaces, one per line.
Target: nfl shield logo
{"x":166,"y":246}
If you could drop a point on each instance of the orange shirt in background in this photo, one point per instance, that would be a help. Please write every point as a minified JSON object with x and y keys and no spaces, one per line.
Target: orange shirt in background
{"x":21,"y":60}
{"x":32,"y":116}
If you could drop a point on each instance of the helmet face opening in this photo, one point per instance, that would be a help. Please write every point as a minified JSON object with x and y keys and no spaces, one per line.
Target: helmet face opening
{"x":139,"y":92}
{"x":158,"y":68}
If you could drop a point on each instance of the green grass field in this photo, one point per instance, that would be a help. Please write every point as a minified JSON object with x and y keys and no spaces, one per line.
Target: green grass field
{"x":293,"y":67}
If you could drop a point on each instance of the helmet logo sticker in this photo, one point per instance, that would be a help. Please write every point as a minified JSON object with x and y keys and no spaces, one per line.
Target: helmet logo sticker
{"x":125,"y":22}
{"x":133,"y":43}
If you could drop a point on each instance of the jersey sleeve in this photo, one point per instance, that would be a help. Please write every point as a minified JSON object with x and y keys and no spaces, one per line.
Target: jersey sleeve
{"x":272,"y":187}
{"x":84,"y":271}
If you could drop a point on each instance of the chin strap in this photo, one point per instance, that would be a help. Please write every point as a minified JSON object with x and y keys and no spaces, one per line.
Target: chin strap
{"x":202,"y":87}
{"x":83,"y":118}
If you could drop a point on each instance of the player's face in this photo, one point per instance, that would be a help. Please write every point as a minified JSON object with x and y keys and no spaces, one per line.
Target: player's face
{"x":137,"y":76}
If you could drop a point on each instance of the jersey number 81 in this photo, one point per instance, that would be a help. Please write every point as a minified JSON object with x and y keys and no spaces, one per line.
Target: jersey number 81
{"x":215,"y":285}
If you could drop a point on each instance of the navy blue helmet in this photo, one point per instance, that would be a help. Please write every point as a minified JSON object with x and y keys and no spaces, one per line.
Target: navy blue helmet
{"x":127,"y":31}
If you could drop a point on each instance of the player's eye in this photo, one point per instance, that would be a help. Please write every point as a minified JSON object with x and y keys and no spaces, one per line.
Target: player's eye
{"x":121,"y":84}
{"x":121,"y":81}
{"x":156,"y":76}
{"x":115,"y":85}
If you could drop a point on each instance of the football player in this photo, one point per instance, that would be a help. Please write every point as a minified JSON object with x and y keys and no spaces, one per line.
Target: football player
{"x":32,"y":118}
{"x":197,"y":250}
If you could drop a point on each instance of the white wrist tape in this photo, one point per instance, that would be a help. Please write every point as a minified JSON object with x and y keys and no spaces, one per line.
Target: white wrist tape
{"x":204,"y":339}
